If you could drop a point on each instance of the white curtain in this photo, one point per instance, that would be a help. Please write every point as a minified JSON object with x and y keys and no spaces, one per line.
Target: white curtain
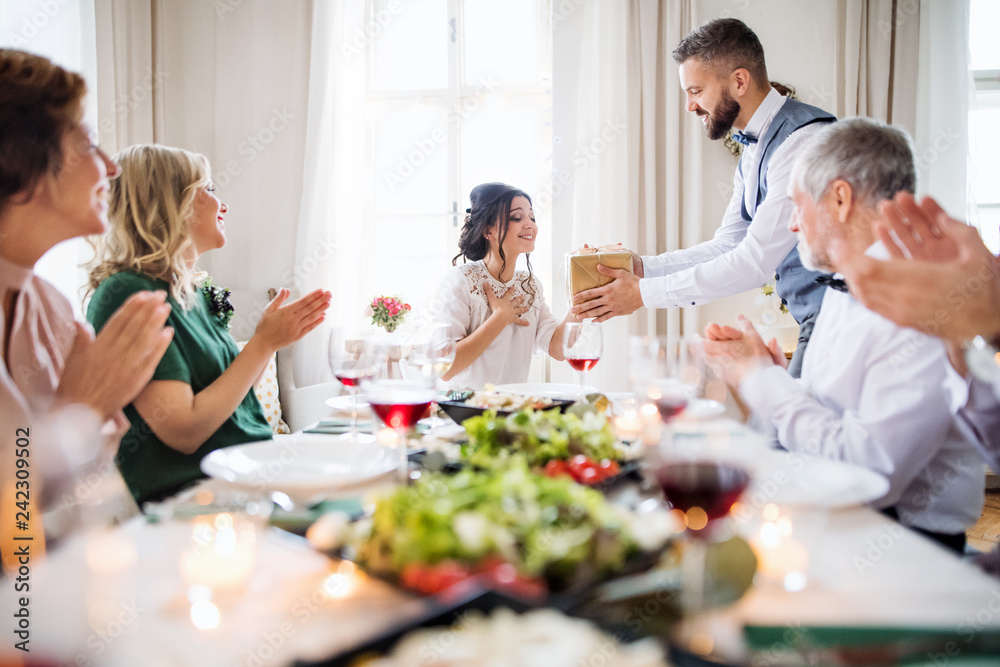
{"x":619,"y":117}
{"x":332,"y":211}
{"x":63,"y":32}
{"x":906,"y":63}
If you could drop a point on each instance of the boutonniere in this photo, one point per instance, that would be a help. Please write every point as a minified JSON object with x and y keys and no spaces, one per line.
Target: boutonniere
{"x":218,"y":302}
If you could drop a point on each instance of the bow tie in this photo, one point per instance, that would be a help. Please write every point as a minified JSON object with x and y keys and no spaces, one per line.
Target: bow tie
{"x":745,"y":139}
{"x":833,"y":283}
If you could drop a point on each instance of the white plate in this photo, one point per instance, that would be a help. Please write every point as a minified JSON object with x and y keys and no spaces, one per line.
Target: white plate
{"x":302,"y":466}
{"x":546,"y":389}
{"x":344,"y":403}
{"x":703,"y":408}
{"x":791,"y":478}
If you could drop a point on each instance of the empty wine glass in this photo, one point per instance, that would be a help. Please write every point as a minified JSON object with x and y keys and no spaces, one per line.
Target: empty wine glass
{"x":668,"y":372}
{"x":434,"y":356}
{"x":582,"y":347}
{"x":352,"y":360}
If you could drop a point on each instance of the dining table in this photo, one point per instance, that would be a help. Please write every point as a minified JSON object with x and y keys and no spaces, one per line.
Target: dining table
{"x":120,"y":596}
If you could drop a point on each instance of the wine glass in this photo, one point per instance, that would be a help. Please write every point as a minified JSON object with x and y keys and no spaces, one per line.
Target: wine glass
{"x":434,"y":357}
{"x":582,"y":347}
{"x":352,"y":359}
{"x":400,"y":402}
{"x":701,"y":487}
{"x":668,"y":372}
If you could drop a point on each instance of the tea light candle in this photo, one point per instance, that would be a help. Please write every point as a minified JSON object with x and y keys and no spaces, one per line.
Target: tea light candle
{"x":781,"y":558}
{"x":652,"y":425}
{"x":222,"y":554}
{"x":629,"y":426}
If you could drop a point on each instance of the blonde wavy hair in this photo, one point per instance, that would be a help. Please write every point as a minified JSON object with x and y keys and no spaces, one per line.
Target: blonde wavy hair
{"x":150,"y":207}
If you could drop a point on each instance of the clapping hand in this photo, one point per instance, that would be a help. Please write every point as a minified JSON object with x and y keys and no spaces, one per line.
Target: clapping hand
{"x":109,"y":371}
{"x":283,"y":324}
{"x":735,"y":352}
{"x":941,"y":278}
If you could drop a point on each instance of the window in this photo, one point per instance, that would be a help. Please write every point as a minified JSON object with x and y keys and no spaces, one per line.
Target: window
{"x":984,"y":118}
{"x":458,"y":93}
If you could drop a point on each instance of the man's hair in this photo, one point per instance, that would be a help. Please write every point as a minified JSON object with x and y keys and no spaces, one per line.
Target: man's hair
{"x":876,"y":159}
{"x":724,"y":45}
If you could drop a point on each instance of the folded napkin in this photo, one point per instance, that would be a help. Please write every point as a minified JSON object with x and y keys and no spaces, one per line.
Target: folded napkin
{"x":335,"y":425}
{"x":870,"y":645}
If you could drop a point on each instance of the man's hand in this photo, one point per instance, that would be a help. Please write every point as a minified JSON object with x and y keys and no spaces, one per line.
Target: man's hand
{"x":736,"y":352}
{"x":619,"y":297}
{"x":951,"y":286}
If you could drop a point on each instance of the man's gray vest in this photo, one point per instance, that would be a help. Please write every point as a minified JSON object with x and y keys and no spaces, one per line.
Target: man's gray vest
{"x":795,"y":284}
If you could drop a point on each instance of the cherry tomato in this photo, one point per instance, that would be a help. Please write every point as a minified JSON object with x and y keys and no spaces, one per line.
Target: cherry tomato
{"x":433,"y":578}
{"x":590,"y":475}
{"x":556,"y":468}
{"x":609,"y":467}
{"x":578,"y":464}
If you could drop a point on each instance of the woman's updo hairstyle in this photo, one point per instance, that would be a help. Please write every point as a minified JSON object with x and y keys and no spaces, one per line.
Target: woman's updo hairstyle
{"x":490,"y":206}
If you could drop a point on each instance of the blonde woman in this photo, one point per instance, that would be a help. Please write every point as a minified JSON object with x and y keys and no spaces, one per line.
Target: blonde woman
{"x":164,"y":216}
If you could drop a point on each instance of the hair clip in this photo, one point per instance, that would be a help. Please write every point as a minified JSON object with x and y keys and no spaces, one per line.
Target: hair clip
{"x":468,"y":210}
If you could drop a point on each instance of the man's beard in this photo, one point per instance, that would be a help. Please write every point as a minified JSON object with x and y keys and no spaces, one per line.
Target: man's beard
{"x":722,"y":117}
{"x":811,"y":260}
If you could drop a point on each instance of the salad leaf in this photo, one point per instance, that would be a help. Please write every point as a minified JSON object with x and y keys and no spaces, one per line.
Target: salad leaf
{"x":543,"y":526}
{"x":540,"y":436}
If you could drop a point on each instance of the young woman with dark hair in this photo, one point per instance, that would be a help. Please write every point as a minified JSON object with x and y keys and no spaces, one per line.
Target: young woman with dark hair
{"x":496,"y":311}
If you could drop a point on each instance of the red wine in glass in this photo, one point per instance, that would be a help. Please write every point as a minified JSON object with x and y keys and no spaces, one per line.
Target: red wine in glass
{"x":351,"y":377}
{"x":713,"y":487}
{"x":400,"y":407}
{"x":581,"y":364}
{"x":670,"y":406}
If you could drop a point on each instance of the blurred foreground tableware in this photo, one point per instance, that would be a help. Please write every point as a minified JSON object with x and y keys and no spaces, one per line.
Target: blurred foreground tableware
{"x":306,"y":468}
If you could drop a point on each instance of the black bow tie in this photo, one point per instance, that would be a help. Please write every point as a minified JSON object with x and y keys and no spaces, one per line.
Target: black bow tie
{"x":745,"y":139}
{"x":834,"y":283}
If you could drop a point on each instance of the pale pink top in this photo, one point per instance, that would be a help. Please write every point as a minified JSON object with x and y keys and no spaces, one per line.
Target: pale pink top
{"x":41,"y":338}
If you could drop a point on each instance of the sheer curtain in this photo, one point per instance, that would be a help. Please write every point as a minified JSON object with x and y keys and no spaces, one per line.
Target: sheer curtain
{"x":63,"y":32}
{"x":332,"y":212}
{"x":622,"y":139}
{"x":906,"y":63}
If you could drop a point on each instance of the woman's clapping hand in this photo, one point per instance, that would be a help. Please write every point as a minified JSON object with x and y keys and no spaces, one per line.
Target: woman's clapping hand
{"x":109,"y":371}
{"x":282,"y":324}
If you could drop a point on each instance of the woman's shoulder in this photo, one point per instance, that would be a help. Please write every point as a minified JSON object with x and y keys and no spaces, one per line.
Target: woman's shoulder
{"x":114,"y":290}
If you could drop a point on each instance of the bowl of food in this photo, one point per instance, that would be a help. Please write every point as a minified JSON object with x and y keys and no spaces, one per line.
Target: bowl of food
{"x":463,"y":406}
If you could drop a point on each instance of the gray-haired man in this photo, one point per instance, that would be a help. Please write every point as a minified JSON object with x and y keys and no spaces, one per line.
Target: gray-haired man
{"x":871,"y":392}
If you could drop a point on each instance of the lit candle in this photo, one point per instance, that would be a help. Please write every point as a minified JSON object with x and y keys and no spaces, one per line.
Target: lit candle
{"x":651,"y":424}
{"x":222,"y":555}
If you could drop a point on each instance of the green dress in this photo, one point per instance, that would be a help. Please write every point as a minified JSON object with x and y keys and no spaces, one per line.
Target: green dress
{"x":200,"y":351}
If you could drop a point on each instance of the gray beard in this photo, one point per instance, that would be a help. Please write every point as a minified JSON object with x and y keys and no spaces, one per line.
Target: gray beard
{"x":809,"y":259}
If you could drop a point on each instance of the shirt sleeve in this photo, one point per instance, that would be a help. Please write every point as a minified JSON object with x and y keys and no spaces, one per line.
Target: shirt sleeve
{"x":452,"y":304}
{"x":977,"y":413}
{"x":752,"y":261}
{"x":547,"y":322}
{"x":727,"y":237}
{"x":110,"y":296}
{"x":902,"y":417}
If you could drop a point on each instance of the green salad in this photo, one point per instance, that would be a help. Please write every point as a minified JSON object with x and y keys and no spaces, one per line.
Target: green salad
{"x":539,"y":436}
{"x":547,"y":527}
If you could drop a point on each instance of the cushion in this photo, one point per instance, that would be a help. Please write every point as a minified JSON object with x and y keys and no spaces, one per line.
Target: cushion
{"x":266,"y":390}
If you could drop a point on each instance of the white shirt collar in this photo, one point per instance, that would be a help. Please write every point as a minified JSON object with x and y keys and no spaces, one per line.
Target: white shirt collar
{"x":765,"y":113}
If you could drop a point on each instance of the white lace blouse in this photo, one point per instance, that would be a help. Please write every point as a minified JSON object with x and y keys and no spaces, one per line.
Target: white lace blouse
{"x":461,"y":302}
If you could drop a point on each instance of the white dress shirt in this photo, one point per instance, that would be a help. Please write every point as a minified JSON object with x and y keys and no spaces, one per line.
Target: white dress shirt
{"x":977,"y":409}
{"x":873,"y":393}
{"x":740,"y":256}
{"x":461,"y":302}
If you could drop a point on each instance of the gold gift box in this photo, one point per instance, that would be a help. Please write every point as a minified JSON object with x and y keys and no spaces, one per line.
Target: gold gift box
{"x":582,"y":270}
